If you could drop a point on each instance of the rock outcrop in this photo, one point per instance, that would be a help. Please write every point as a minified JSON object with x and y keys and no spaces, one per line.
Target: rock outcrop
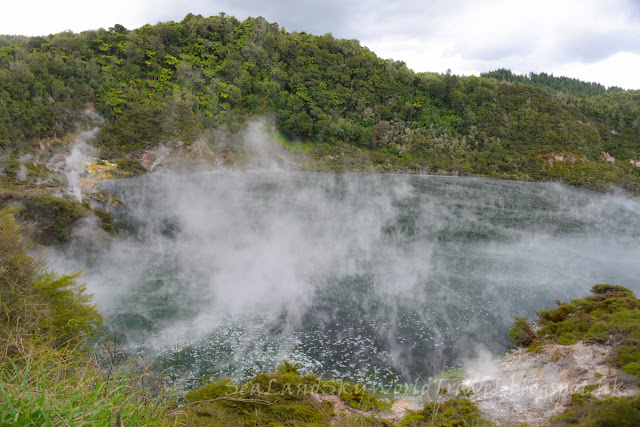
{"x":533,"y":386}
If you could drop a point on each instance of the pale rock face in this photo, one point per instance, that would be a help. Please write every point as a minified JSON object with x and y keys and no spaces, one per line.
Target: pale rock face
{"x":158,"y":156}
{"x":532,"y":387}
{"x":562,"y":156}
{"x":607,"y":157}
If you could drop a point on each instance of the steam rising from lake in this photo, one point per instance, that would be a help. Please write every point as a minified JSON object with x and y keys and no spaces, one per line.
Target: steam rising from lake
{"x":354,"y":276}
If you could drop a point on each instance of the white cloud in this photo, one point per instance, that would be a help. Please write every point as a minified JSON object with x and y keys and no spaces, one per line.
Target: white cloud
{"x":620,"y":70}
{"x":587,"y":40}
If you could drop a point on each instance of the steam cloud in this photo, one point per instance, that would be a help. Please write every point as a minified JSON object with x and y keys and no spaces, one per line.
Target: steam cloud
{"x":76,"y":162}
{"x":22,"y":170}
{"x":350,"y":275}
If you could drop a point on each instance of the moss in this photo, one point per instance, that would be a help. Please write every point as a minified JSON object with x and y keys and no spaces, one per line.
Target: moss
{"x":212,"y":390}
{"x":559,"y":314}
{"x":283,"y":396}
{"x":251,"y":405}
{"x":628,"y":356}
{"x":535,"y":346}
{"x":359,"y":398}
{"x":366,"y":421}
{"x":454,"y":374}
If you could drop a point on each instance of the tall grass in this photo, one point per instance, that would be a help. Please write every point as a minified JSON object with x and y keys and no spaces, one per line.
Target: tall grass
{"x":47,"y":375}
{"x":43,"y":385}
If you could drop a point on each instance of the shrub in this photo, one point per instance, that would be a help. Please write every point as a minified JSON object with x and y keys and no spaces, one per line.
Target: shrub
{"x":586,"y":410}
{"x":38,"y":301}
{"x":130,"y":167}
{"x":522,"y":334}
{"x":45,"y":378}
{"x":611,"y":290}
{"x":55,"y":218}
{"x":457,"y":411}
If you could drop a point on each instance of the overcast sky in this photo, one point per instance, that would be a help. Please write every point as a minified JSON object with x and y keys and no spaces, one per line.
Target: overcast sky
{"x":593,"y":40}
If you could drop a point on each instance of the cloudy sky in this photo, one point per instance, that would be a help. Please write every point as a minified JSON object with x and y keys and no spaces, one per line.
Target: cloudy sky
{"x":593,"y":40}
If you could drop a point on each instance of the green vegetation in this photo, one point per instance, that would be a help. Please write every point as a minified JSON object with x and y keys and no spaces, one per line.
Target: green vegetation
{"x":335,"y":106}
{"x":46,"y":378}
{"x":43,"y":304}
{"x":60,"y":387}
{"x":33,"y":196}
{"x":281,"y":397}
{"x":566,"y":85}
{"x":456,"y":411}
{"x":130,"y":167}
{"x":53,"y":218}
{"x":56,"y":217}
{"x":611,"y":315}
{"x":339,"y":106}
{"x":586,"y":410}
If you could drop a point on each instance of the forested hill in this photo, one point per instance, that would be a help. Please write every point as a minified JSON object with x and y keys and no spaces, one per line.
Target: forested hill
{"x":175,"y":83}
{"x":554,"y":84}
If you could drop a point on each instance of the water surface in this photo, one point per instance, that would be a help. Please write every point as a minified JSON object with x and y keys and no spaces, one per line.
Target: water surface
{"x":367,"y":277}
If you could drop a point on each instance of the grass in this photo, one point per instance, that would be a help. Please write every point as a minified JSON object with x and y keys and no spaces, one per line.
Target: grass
{"x":291,"y":146}
{"x":41,"y":385}
{"x":47,"y":376}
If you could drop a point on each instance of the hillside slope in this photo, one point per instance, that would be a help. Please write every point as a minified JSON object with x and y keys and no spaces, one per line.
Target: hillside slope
{"x":202,"y":79}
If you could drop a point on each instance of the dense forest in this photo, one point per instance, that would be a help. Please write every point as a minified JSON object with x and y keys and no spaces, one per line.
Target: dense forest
{"x":182,"y":82}
{"x":574,"y":87}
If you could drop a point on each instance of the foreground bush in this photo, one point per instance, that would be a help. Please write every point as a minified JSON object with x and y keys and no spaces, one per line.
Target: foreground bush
{"x":39,"y":302}
{"x":46,"y":376}
{"x":456,"y":411}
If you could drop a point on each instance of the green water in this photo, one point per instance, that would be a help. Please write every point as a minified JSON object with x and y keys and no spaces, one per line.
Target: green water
{"x":367,"y":277}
